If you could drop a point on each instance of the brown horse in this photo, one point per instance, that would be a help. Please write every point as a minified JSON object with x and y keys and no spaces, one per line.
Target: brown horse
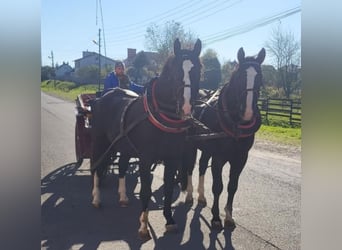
{"x":151,"y":127}
{"x":233,"y":112}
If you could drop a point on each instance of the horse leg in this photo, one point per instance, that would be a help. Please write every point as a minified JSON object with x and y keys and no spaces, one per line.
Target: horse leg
{"x":236,"y":168}
{"x":145,"y":196}
{"x":188,"y":164}
{"x":169,"y":175}
{"x":185,"y":167}
{"x":123,"y":166}
{"x":203,"y":164}
{"x":217,"y":187}
{"x":96,"y":191}
{"x":98,"y":147}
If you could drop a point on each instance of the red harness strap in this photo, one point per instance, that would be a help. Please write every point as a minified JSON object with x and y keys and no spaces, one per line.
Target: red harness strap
{"x":159,"y":119}
{"x":243,"y":130}
{"x":240,"y":130}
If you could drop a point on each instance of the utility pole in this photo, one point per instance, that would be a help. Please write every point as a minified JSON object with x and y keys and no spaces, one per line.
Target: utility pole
{"x":51,"y":57}
{"x":99,"y":44}
{"x":53,"y":69}
{"x":99,"y":58}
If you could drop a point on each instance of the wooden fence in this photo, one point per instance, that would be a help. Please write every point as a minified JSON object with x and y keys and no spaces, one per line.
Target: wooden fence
{"x":286,"y":109}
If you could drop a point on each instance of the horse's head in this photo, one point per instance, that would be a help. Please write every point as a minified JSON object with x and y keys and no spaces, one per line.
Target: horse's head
{"x":244,"y":86}
{"x":181,"y":74}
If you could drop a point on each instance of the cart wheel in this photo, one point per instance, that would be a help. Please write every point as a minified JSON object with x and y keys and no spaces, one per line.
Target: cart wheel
{"x":78,"y":149}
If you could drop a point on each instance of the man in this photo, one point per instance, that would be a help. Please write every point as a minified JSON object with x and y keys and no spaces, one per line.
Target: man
{"x":117,"y":78}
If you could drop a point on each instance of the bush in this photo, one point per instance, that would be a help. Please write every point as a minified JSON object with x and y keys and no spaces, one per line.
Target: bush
{"x":65,"y":86}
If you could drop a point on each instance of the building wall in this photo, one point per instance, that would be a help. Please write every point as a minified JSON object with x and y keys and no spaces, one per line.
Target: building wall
{"x":92,"y":59}
{"x":62,"y":70}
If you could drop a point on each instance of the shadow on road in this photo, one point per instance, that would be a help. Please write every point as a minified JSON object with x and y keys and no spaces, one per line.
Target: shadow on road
{"x":69,"y":221}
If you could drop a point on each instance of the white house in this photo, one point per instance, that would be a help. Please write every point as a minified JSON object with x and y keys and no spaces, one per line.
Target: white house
{"x":63,"y":72}
{"x":92,"y":59}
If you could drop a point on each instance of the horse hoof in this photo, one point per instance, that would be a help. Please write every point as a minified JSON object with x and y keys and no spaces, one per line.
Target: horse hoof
{"x":172,"y":228}
{"x":96,"y":204}
{"x":123,"y":203}
{"x":216,"y":225}
{"x":144,"y":236}
{"x":229,"y":225}
{"x":202,"y":202}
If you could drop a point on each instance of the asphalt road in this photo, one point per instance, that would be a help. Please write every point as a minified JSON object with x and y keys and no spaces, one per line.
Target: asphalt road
{"x":266,"y":208}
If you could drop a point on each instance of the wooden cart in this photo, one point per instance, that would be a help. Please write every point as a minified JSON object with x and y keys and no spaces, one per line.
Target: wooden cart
{"x":83,"y":126}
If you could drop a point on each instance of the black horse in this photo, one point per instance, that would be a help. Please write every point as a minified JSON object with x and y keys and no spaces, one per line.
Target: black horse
{"x":232,"y":113}
{"x":151,"y":127}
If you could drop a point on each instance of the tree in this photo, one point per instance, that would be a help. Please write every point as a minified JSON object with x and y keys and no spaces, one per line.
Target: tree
{"x":46,"y":73}
{"x":139,"y":69}
{"x":212,"y":70}
{"x":88,"y":74}
{"x":285,"y":51}
{"x":139,"y":63}
{"x":227,"y":70}
{"x":161,"y":39}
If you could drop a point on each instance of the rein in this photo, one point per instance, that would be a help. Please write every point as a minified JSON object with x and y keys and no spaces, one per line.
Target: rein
{"x":123,"y":132}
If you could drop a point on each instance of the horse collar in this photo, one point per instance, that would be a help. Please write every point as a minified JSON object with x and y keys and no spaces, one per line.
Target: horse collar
{"x":231,"y":127}
{"x":158,"y":117}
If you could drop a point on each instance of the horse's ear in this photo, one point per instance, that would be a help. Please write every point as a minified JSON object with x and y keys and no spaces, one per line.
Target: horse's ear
{"x":198,"y":47}
{"x":241,"y":55}
{"x":177,"y":47}
{"x":261,"y":56}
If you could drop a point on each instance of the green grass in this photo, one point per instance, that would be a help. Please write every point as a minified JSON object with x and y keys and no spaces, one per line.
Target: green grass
{"x":288,"y":136}
{"x":278,"y":132}
{"x":67,"y":90}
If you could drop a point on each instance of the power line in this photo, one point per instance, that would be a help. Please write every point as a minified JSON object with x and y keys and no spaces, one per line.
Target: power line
{"x":155,"y":18}
{"x":213,"y":38}
{"x":186,"y":11}
{"x":248,"y":27}
{"x":96,"y":13}
{"x":104,"y":39}
{"x":198,"y":18}
{"x":195,"y":13}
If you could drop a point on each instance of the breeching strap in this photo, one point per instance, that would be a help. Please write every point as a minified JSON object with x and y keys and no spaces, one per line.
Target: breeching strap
{"x":123,"y":132}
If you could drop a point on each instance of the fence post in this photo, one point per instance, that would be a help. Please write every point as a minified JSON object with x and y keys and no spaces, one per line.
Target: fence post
{"x":291,"y":106}
{"x":267,"y":103}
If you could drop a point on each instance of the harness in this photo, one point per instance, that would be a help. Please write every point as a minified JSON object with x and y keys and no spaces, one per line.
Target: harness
{"x":162,"y":119}
{"x":227,"y":124}
{"x":234,"y":128}
{"x":152,"y":112}
{"x":123,"y":132}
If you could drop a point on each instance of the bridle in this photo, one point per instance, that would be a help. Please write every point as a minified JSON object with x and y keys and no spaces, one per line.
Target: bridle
{"x":231,"y":125}
{"x":164,"y":120}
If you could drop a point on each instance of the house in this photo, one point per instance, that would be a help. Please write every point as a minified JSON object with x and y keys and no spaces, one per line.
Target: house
{"x":107,"y":64}
{"x":92,"y":59}
{"x":63,"y":72}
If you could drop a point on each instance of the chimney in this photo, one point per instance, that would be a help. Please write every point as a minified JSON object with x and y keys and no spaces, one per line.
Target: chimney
{"x":131,"y":53}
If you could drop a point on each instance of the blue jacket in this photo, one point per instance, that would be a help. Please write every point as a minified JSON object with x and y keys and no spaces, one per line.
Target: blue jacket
{"x":139,"y":89}
{"x":112,"y":81}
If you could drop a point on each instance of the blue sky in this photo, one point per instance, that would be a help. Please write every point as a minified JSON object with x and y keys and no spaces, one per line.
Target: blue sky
{"x":69,"y":27}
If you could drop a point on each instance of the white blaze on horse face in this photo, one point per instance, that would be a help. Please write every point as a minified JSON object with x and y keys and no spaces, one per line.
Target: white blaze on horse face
{"x":187,"y":65}
{"x":251,"y":73}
